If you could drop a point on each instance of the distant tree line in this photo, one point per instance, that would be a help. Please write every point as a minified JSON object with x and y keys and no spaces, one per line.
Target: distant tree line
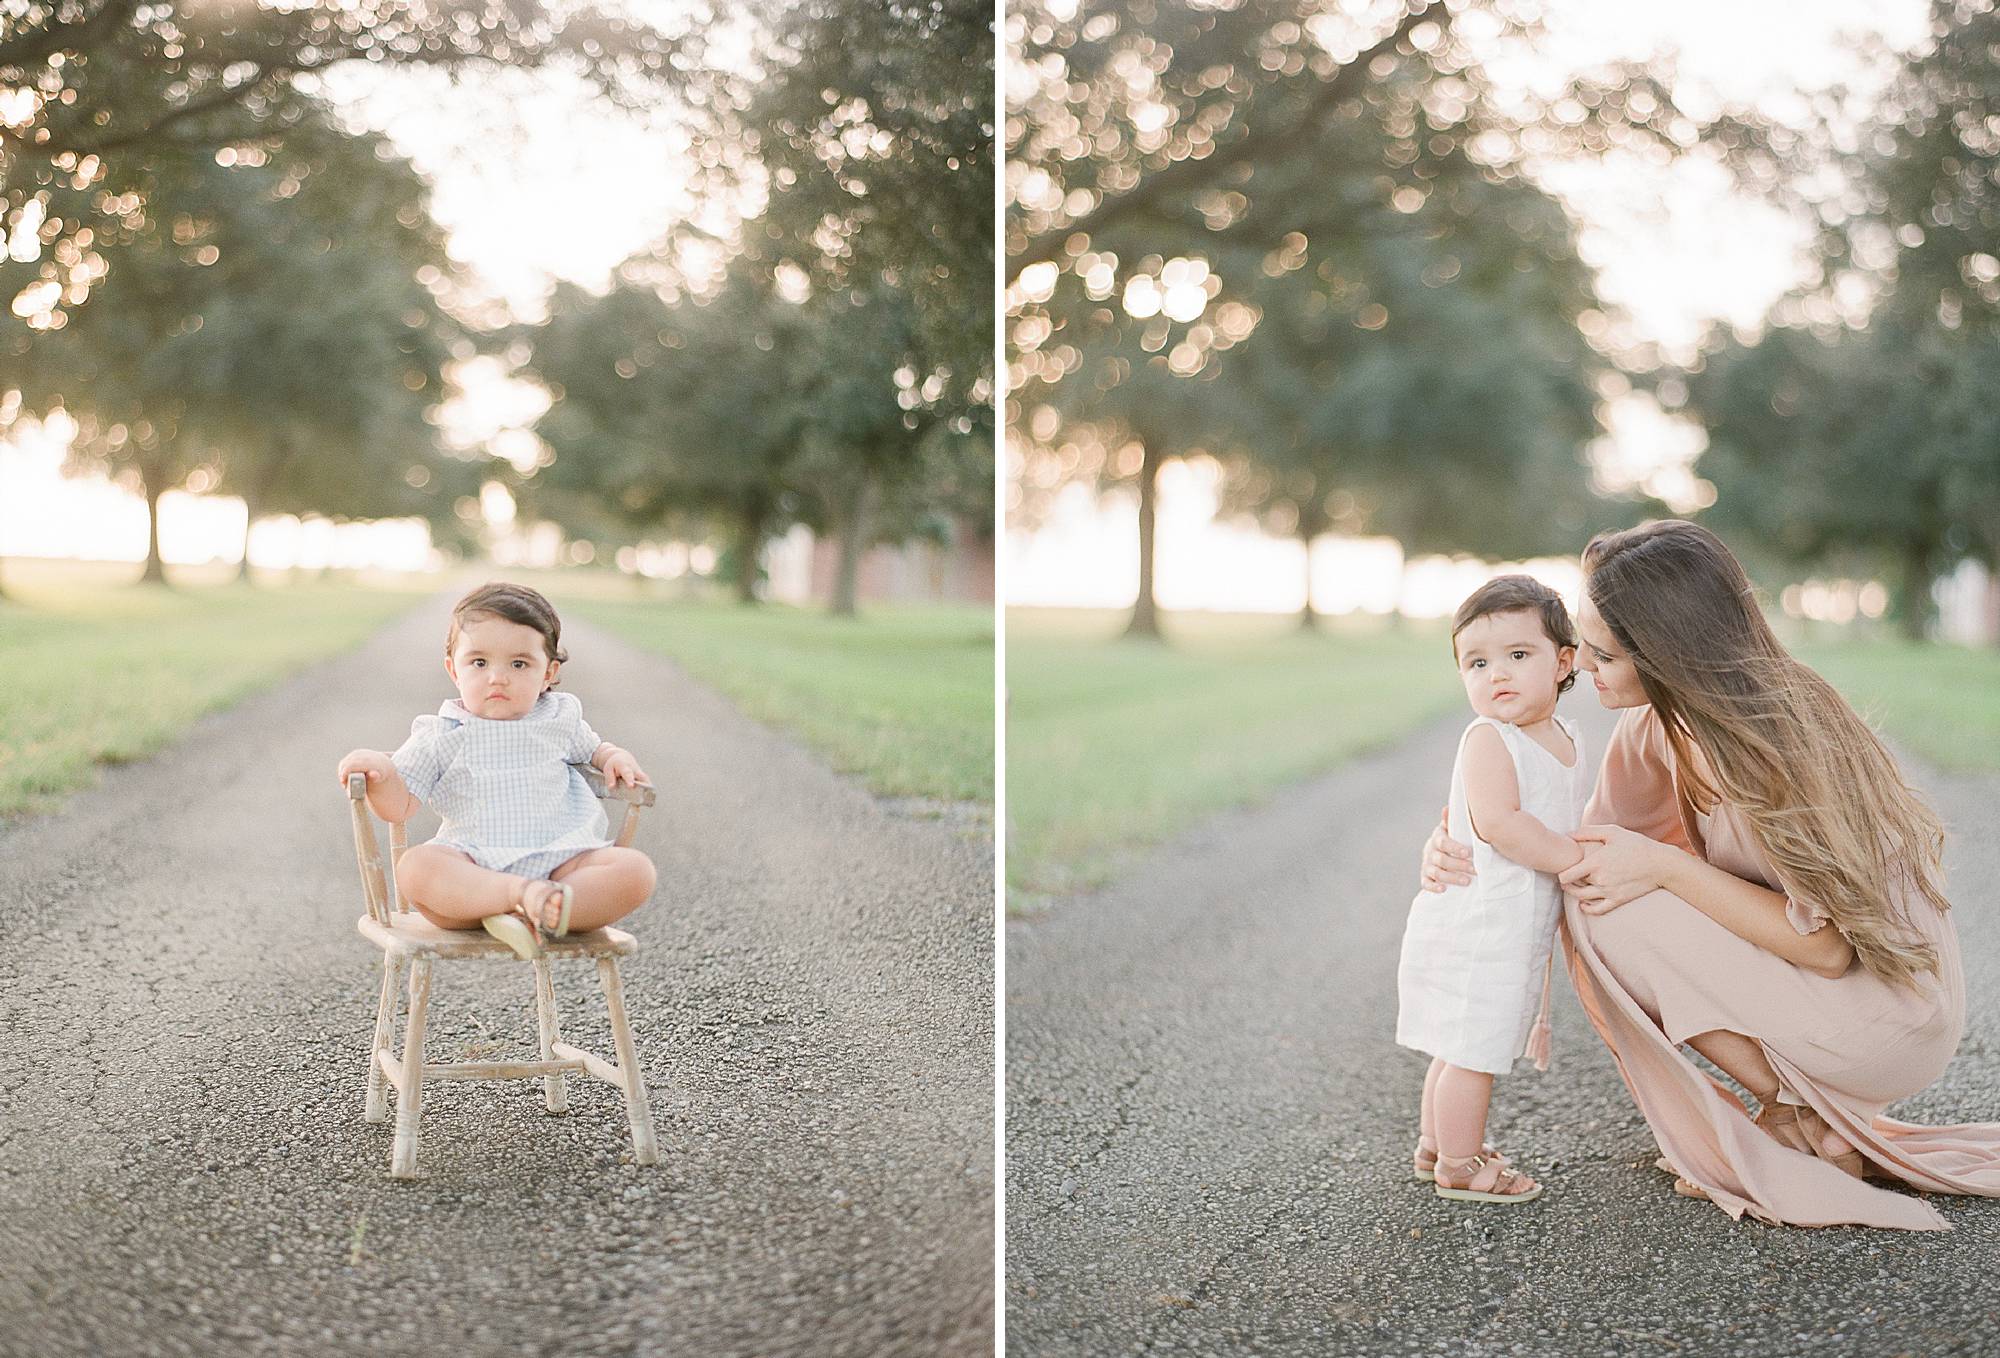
{"x":1312,"y":246}
{"x":215,"y":278}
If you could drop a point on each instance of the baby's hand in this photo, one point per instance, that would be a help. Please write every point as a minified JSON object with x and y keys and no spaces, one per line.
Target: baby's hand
{"x":621,"y":767}
{"x":373,"y":763}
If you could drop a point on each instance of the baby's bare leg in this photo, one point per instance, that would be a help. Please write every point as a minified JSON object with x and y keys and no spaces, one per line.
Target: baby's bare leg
{"x":451,"y":890}
{"x":1458,"y":1106}
{"x":1427,"y":1109}
{"x":605,"y":885}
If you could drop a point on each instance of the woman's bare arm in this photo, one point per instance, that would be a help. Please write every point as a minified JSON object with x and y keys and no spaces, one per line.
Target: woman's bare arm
{"x":1621,"y":865}
{"x":1757,"y":915}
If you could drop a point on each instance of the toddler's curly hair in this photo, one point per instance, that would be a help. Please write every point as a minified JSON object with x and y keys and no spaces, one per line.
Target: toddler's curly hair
{"x":515,"y":603}
{"x":1518,"y":594}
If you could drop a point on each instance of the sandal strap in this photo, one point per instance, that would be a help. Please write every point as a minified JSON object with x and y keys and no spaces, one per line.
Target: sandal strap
{"x":1491,"y":1174}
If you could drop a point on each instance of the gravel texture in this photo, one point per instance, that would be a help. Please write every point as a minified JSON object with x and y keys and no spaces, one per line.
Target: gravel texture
{"x":1209,"y":1127}
{"x":187,"y":1009}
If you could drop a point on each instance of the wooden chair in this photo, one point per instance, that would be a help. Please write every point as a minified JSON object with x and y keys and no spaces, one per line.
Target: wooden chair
{"x":409,"y":940}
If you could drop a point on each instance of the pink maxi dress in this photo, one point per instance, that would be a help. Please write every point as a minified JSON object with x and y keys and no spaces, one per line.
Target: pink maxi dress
{"x":1656,"y":972}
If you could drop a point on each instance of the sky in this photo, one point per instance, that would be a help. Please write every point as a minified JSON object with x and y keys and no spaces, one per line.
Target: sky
{"x":1674,"y":251}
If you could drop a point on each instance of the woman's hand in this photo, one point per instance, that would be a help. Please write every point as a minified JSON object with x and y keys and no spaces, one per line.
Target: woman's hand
{"x":372,"y":763}
{"x":1446,"y":861}
{"x":1618,"y":867}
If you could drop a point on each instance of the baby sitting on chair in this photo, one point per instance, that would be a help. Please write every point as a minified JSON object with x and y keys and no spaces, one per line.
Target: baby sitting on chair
{"x":522,"y":849}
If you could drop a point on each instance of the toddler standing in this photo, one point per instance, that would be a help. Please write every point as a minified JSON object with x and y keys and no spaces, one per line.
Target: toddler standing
{"x":522,"y":850}
{"x":1476,"y":958}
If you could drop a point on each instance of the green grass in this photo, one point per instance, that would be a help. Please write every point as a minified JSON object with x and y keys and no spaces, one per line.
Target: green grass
{"x":1940,"y":702}
{"x":1114,"y":745}
{"x":103,"y":671}
{"x":901,"y":697}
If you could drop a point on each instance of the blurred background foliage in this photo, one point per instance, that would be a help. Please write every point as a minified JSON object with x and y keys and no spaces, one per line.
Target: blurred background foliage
{"x":1318,"y":245}
{"x":227,"y":284}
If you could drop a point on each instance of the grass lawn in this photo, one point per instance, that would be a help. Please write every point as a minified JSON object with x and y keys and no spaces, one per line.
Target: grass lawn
{"x":104,"y":671}
{"x":1114,"y":745}
{"x":1939,"y":702}
{"x":902,"y":696}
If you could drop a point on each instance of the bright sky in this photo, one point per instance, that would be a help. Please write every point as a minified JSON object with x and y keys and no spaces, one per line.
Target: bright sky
{"x":1673,"y":251}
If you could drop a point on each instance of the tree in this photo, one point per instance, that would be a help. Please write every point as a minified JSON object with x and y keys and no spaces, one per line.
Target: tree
{"x":1424,"y":387}
{"x":661,"y":410}
{"x":268,"y":320}
{"x":888,"y":454}
{"x":1861,"y":426}
{"x":1276,"y":145}
{"x":108,"y":83}
{"x":1126,"y":414}
{"x":1882,"y":445}
{"x":870,"y":127}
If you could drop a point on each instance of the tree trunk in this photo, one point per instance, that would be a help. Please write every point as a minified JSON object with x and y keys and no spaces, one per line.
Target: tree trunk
{"x":1915,"y":604}
{"x":154,"y":481}
{"x":1146,"y":610}
{"x":749,"y":542}
{"x":249,"y":522}
{"x":1311,"y":525}
{"x":857,"y":521}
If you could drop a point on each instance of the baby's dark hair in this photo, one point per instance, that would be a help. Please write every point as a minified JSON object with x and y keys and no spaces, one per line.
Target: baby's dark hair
{"x":1518,"y":594}
{"x":515,"y":603}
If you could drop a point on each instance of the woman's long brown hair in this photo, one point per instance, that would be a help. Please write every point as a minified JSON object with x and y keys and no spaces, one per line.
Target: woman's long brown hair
{"x":1822,"y":794}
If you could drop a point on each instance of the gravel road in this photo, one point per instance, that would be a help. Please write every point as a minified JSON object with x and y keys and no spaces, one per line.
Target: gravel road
{"x":187,"y":1008}
{"x":1209,"y":1126}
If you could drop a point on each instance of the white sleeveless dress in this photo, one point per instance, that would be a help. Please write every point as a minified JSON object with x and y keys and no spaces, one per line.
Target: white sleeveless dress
{"x":1471,"y":976}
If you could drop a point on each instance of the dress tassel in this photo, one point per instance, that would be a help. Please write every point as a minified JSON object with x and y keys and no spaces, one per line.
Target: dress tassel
{"x":1541,"y":1037}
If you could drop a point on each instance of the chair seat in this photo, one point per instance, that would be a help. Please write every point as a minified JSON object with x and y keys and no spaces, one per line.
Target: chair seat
{"x":411,"y":935}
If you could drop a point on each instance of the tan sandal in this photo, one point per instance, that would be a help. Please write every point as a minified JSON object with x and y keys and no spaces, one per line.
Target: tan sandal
{"x":1424,"y":1160}
{"x":516,"y":932}
{"x":536,"y":913}
{"x":1482,"y":1178}
{"x":523,"y":928}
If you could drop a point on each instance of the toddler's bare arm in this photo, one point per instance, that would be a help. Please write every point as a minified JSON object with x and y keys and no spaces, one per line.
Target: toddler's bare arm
{"x":1493,"y":799}
{"x":388,"y":796}
{"x":618,"y":766}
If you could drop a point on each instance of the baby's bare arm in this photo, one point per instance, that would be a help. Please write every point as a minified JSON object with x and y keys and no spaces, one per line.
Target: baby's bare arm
{"x":388,"y":795}
{"x":1493,"y":799}
{"x":618,"y":766}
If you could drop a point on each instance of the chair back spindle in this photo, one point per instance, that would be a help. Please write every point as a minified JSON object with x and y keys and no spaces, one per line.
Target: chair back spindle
{"x":367,"y":850}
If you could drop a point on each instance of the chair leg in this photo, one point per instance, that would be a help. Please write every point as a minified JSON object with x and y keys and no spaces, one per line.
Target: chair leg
{"x":410,"y":1102}
{"x":555,"y":1088}
{"x":375,"y":1108}
{"x":638,"y":1112}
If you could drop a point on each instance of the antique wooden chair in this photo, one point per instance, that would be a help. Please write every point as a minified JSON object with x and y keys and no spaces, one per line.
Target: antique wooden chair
{"x":408,"y":940}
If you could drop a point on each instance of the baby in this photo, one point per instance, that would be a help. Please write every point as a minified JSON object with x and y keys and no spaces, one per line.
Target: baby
{"x":1475,"y":957}
{"x":522,"y":849}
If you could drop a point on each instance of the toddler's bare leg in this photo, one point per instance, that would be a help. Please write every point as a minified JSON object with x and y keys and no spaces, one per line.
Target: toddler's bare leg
{"x":1458,"y":1107}
{"x":451,"y":890}
{"x":1427,"y":1126}
{"x":606,"y":885}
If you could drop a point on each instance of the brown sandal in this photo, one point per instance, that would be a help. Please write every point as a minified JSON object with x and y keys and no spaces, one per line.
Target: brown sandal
{"x":1424,"y":1160}
{"x":1483,"y":1178}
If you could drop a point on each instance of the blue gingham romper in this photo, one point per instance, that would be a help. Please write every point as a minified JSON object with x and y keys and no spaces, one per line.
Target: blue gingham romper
{"x":504,"y":790}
